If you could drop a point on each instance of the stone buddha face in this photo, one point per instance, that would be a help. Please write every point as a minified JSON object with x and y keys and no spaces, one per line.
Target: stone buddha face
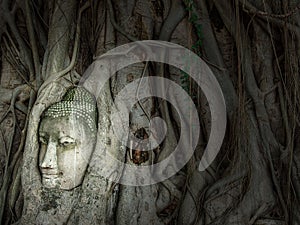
{"x":67,"y":137}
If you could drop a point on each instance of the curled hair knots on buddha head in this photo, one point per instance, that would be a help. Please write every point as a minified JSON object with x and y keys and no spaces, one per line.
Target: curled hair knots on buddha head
{"x":77,"y":103}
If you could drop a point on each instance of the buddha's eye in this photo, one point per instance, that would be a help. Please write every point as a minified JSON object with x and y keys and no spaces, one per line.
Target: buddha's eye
{"x":66,"y":141}
{"x":43,"y":140}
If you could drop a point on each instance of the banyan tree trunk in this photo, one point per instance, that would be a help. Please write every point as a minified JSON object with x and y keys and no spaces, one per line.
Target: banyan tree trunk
{"x":251,"y":46}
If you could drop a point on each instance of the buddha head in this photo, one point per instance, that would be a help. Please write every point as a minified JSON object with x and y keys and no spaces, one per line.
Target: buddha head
{"x":67,"y":136}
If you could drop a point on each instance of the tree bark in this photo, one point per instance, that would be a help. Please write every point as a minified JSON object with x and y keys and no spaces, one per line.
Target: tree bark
{"x":251,"y":46}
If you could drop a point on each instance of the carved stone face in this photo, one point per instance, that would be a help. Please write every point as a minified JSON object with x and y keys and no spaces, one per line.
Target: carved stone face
{"x":66,"y":145}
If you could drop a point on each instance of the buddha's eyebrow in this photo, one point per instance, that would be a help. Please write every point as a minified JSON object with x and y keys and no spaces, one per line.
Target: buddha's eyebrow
{"x":43,"y":134}
{"x":67,"y":137}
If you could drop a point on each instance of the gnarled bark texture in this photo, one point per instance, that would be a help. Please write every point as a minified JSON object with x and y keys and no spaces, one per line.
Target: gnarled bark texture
{"x":251,"y":46}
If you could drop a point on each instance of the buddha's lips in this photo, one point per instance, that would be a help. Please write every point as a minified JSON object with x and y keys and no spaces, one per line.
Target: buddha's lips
{"x":49,"y":173}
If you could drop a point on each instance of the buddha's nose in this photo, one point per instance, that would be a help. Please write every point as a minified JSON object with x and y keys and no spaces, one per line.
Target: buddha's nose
{"x":50,"y":158}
